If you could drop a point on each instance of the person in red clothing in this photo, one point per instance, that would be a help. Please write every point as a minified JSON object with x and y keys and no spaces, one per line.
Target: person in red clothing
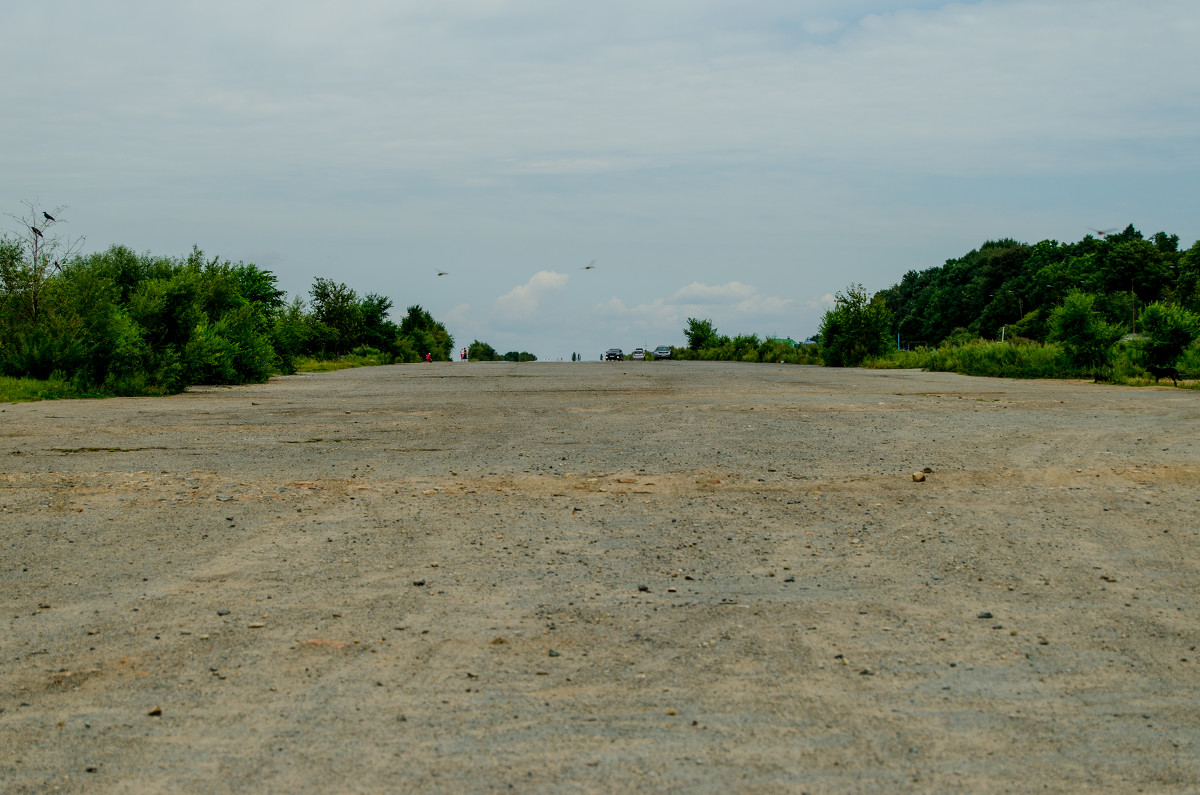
{"x":429,"y":357}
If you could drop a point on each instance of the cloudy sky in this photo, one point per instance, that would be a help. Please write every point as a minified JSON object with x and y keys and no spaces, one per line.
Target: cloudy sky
{"x":735,"y":160}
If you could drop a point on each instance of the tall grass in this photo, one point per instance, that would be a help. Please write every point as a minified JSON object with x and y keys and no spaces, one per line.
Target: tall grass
{"x":24,"y":390}
{"x":984,"y":358}
{"x":750,"y":349}
{"x":362,"y":356}
{"x":1028,"y":359}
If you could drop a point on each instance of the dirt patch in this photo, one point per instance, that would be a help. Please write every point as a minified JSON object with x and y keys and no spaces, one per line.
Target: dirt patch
{"x":652,"y":576}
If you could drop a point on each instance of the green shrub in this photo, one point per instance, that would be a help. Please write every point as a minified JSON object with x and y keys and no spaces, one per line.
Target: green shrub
{"x":208,"y":357}
{"x":856,"y":328}
{"x":1167,"y":331}
{"x":1086,"y":338}
{"x":980,"y":358}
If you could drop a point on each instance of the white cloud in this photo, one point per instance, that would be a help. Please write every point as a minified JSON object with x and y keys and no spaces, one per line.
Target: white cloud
{"x":460,"y":315}
{"x":821,"y":304}
{"x":523,"y":300}
{"x":735,"y":308}
{"x":697,"y":293}
{"x":613,"y":306}
{"x":764,"y":305}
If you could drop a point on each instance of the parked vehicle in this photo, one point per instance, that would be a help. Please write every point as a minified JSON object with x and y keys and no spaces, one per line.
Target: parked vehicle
{"x":662,"y":352}
{"x":639,"y":354}
{"x":614,"y":355}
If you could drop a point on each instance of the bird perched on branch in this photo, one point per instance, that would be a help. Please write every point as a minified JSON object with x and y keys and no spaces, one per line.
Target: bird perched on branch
{"x":36,"y":231}
{"x":47,"y":216}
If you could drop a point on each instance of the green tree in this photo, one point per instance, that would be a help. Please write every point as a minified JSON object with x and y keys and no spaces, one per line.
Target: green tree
{"x":481,"y":352}
{"x":377,"y":330}
{"x":259,"y":287}
{"x":289,"y":335}
{"x":30,"y":261}
{"x":1085,"y":336}
{"x":337,"y":315}
{"x":858,"y":326}
{"x":1187,"y":280}
{"x":426,"y":334}
{"x":1168,"y":330}
{"x":700,"y":334}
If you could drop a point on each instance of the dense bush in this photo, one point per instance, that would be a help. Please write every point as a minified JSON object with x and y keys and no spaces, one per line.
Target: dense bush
{"x":1010,"y":287}
{"x":857,"y":327}
{"x":742,"y":348}
{"x":1080,"y":329}
{"x":1013,"y":359}
{"x":1166,"y":332}
{"x":117,"y":322}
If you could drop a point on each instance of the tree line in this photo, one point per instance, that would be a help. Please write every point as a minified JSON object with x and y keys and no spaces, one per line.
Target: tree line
{"x":1009,"y":288}
{"x":119,"y":322}
{"x":1116,"y":305}
{"x":705,"y":342}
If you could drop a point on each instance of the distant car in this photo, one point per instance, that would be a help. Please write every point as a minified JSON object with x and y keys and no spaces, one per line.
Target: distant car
{"x":662,"y":352}
{"x":639,"y":353}
{"x":614,"y":355}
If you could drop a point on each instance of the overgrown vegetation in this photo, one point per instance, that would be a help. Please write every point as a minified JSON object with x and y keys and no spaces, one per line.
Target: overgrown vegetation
{"x":858,"y":326}
{"x":707,"y":344}
{"x":1029,"y":359}
{"x":121,"y":323}
{"x":1006,"y":288}
{"x":1117,"y":307}
{"x":482,"y":352}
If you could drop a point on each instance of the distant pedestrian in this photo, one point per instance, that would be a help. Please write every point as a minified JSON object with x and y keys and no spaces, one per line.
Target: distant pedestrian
{"x":463,"y":354}
{"x":429,"y":357}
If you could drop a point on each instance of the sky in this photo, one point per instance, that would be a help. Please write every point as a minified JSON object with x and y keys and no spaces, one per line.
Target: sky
{"x":740,"y":161}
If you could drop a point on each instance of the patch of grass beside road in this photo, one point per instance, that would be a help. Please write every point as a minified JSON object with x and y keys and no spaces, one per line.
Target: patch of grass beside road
{"x":359,"y":357}
{"x":24,"y":390}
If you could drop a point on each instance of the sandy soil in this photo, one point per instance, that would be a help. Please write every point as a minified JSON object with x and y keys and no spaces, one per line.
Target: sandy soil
{"x":670,"y":576}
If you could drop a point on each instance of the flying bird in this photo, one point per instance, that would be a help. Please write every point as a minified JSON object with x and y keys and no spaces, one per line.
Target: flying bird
{"x":47,"y":215}
{"x":36,"y":231}
{"x":589,"y":266}
{"x":1103,"y":232}
{"x":443,"y":273}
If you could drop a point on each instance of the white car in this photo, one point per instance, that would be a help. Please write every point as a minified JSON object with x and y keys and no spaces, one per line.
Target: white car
{"x":638,"y":353}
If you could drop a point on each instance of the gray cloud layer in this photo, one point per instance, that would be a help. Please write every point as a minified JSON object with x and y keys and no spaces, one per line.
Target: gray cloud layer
{"x":788,"y":147}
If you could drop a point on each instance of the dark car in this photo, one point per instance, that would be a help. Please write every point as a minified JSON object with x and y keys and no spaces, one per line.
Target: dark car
{"x":662,"y":352}
{"x":614,"y":355}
